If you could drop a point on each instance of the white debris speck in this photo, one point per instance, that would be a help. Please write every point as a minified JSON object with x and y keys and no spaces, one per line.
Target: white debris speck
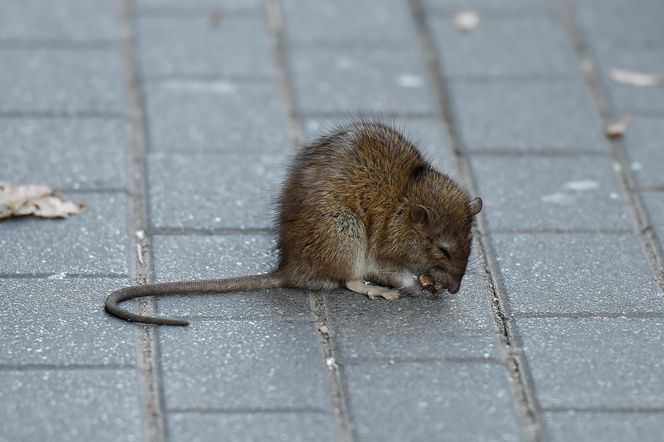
{"x":140,"y":234}
{"x":410,"y":81}
{"x":614,"y":196}
{"x":582,"y":185}
{"x":636,"y":166}
{"x":617,"y":167}
{"x":58,"y":276}
{"x":331,"y":363}
{"x":466,"y":20}
{"x":562,"y":199}
{"x":219,"y":87}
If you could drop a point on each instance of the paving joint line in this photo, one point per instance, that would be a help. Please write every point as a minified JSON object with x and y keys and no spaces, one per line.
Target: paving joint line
{"x":527,"y":406}
{"x":605,"y":108}
{"x":202,"y":231}
{"x":297,"y":135}
{"x":148,"y":357}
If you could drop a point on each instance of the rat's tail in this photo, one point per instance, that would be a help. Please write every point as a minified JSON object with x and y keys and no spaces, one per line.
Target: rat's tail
{"x":239,"y":284}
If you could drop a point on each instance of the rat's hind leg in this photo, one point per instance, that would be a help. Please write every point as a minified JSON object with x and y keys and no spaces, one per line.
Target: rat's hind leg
{"x":372,"y":291}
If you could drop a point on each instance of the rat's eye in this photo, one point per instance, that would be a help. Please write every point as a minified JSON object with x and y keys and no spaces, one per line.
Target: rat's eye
{"x":444,"y":251}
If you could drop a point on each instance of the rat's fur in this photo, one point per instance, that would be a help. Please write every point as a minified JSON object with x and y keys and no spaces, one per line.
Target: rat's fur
{"x":359,"y":204}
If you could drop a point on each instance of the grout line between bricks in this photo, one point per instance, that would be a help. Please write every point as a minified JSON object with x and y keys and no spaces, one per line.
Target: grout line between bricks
{"x":618,"y":151}
{"x":521,"y":383}
{"x":201,"y":231}
{"x":66,"y":275}
{"x":146,"y":335}
{"x":197,"y":410}
{"x":643,"y":410}
{"x":297,"y":134}
{"x":70,"y":367}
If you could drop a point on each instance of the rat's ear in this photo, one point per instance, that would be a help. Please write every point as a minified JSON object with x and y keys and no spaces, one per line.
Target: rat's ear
{"x":420,"y":215}
{"x":475,"y":205}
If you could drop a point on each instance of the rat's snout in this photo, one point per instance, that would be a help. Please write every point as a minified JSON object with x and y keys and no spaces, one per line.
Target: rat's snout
{"x":445,"y":281}
{"x":453,"y":286}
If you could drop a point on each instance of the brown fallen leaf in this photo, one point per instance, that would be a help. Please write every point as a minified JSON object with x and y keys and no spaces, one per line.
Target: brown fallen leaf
{"x":636,"y":78}
{"x":466,"y":21}
{"x":617,"y":129}
{"x":17,"y":200}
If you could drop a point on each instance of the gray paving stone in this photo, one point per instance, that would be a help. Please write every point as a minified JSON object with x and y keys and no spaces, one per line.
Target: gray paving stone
{"x":284,"y":427}
{"x":71,"y":405}
{"x":95,"y":241}
{"x":628,"y":98}
{"x":238,"y":45}
{"x":266,"y":364}
{"x":61,"y":80}
{"x":447,"y":326}
{"x":644,"y":144}
{"x":46,"y":321}
{"x":537,"y":46}
{"x":197,"y":5}
{"x":527,"y":116}
{"x":216,"y":116}
{"x":83,"y":153}
{"x":352,"y":79}
{"x":542,"y":192}
{"x":621,"y":24}
{"x":595,"y":362}
{"x":229,"y":190}
{"x":654,"y":202}
{"x":608,"y":427}
{"x":284,"y":303}
{"x":70,"y":20}
{"x":384,"y":22}
{"x":198,"y":257}
{"x":570,"y":273}
{"x":427,"y":133}
{"x":487,"y":6}
{"x":443,"y":401}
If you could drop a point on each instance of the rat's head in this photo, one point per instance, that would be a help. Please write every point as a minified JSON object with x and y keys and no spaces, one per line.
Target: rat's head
{"x":441,"y":216}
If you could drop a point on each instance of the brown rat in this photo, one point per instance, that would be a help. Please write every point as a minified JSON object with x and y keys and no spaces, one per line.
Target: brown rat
{"x":360,"y":205}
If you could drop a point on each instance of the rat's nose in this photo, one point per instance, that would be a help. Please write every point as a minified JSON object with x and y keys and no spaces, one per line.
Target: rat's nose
{"x":453,"y":286}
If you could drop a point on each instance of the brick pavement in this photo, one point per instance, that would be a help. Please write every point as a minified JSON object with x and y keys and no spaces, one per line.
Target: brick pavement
{"x":173,"y":121}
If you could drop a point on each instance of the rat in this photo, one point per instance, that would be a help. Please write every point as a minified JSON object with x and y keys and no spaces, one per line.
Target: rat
{"x":361,"y":209}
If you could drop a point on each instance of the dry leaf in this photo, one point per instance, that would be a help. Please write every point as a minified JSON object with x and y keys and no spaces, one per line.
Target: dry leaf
{"x":466,"y":20}
{"x":636,"y":78}
{"x":617,"y":128}
{"x":16,"y":200}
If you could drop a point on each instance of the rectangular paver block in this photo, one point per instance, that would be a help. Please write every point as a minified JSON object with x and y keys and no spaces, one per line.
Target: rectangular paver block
{"x":86,"y":153}
{"x":94,"y":241}
{"x":385,"y":22}
{"x":62,"y":321}
{"x":544,"y":192}
{"x":442,"y":401}
{"x":178,"y":257}
{"x":527,"y":116}
{"x":64,"y":20}
{"x":215,"y":190}
{"x":447,"y":326}
{"x":198,"y":5}
{"x":576,"y":273}
{"x":228,"y":364}
{"x":62,"y":80}
{"x":216,"y":44}
{"x":607,"y":427}
{"x":504,"y":45}
{"x":253,"y":427}
{"x":72,"y":405}
{"x":595,"y":362}
{"x":216,"y":116}
{"x":353,"y":79}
